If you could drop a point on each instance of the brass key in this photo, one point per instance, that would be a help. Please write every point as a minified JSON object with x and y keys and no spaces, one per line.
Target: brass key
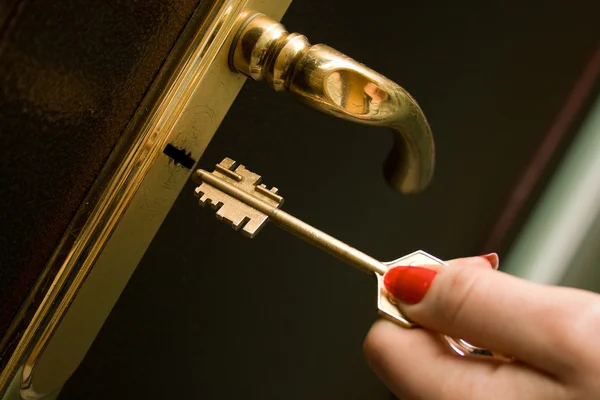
{"x":242,"y":201}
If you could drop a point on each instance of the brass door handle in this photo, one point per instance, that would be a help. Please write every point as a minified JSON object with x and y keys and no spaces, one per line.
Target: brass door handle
{"x":331,"y":82}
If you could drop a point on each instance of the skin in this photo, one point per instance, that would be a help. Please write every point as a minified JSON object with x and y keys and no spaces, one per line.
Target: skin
{"x":552,"y":332}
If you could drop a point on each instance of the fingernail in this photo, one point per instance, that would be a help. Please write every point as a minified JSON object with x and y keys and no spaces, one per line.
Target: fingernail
{"x":493,"y":259}
{"x":408,"y":284}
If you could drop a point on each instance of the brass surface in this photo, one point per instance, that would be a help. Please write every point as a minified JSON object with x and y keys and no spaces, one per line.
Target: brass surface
{"x":328,"y":81}
{"x":96,"y":258}
{"x":240,"y":200}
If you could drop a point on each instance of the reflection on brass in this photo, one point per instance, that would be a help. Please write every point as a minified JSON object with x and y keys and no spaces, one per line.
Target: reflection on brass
{"x":328,"y":81}
{"x":131,"y":198}
{"x":246,"y":204}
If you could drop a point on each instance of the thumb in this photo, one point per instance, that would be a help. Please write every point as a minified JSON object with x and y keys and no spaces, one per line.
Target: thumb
{"x":491,"y":309}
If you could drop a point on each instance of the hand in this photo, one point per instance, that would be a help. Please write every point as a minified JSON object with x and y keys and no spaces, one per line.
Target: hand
{"x":552,"y":332}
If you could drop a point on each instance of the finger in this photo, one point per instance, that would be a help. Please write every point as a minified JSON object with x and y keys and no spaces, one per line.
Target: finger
{"x":414,"y":364}
{"x":488,"y":260}
{"x":531,"y":322}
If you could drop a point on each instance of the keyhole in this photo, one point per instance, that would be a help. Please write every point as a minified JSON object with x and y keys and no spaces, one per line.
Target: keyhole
{"x":179,"y":156}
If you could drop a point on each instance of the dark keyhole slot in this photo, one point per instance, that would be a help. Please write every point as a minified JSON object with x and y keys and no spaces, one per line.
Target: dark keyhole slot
{"x":178,"y":156}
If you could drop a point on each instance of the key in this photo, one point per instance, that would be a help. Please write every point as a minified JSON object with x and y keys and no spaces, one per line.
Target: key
{"x":242,"y":201}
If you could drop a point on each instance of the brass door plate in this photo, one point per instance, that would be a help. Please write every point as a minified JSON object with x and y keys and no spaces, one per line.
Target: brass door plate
{"x":131,"y":198}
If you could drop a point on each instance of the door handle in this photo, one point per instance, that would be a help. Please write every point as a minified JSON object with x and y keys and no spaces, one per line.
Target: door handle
{"x":330,"y":82}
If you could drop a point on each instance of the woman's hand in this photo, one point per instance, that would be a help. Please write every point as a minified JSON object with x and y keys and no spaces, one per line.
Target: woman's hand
{"x":553,"y":332}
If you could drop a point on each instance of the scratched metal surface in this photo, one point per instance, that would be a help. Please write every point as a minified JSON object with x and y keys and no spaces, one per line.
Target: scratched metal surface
{"x":210,"y":314}
{"x":72,"y":73}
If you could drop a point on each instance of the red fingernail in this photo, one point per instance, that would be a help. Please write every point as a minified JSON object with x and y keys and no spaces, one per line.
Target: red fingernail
{"x":408,"y":284}
{"x":493,"y":259}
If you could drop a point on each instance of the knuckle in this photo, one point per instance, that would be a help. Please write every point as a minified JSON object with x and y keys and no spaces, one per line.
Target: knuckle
{"x":460,"y":291}
{"x":572,"y":333}
{"x":369,"y":345}
{"x":372,"y":345}
{"x":577,"y":338}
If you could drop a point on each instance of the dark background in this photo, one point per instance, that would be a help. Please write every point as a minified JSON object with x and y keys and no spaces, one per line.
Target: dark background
{"x":211,"y":314}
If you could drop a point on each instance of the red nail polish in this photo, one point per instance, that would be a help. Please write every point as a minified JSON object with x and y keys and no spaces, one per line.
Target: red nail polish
{"x":493,"y":259}
{"x":409,"y":284}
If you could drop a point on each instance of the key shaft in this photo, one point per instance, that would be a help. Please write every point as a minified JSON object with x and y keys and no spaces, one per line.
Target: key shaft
{"x":296,"y":226}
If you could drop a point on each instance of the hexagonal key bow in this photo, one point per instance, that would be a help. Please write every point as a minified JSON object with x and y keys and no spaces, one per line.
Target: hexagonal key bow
{"x":246,"y":204}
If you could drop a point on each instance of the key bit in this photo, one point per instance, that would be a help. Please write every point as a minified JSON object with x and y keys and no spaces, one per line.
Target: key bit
{"x":242,"y":201}
{"x":231,"y":210}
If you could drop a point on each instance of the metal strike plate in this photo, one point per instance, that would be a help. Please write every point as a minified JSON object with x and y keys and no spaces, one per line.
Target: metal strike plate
{"x":385,"y":304}
{"x":231,"y":210}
